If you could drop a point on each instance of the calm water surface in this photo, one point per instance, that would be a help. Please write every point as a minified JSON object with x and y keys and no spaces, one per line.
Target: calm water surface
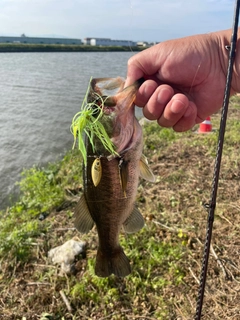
{"x":39,"y":95}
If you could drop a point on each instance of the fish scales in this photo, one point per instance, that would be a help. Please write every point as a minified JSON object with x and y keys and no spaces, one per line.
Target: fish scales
{"x":111,"y":203}
{"x":109,"y":209}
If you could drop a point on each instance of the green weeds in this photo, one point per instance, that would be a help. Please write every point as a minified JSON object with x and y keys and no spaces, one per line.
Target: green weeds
{"x":155,"y":265}
{"x":158,"y":137}
{"x":165,"y":255}
{"x":41,"y":190}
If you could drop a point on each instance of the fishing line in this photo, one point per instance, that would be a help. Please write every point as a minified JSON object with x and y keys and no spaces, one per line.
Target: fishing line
{"x":131,"y":24}
{"x":212,"y":204}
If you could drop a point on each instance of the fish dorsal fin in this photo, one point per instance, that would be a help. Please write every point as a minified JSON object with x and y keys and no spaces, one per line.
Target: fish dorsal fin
{"x":123,"y":172}
{"x":134,"y":222}
{"x":145,"y":172}
{"x":83,"y":220}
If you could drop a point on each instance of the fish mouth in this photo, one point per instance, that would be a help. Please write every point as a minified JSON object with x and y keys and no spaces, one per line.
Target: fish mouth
{"x":108,"y":103}
{"x":105,"y":104}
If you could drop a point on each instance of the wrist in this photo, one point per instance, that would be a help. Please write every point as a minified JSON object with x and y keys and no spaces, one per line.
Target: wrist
{"x":224,"y":40}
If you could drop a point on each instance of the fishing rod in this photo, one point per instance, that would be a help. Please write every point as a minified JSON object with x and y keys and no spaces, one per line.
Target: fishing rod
{"x":212,"y":204}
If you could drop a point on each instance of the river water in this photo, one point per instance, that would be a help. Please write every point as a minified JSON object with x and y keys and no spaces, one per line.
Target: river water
{"x":39,"y":95}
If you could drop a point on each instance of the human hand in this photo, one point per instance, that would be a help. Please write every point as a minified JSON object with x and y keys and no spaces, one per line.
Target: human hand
{"x":185,"y":79}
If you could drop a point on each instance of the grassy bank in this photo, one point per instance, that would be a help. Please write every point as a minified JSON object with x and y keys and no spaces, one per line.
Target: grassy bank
{"x":18,"y":47}
{"x":166,"y":255}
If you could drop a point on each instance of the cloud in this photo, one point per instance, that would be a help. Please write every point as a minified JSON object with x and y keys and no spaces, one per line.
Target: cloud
{"x":153,"y":20}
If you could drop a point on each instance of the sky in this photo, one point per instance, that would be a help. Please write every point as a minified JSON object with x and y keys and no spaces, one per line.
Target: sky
{"x":137,"y":20}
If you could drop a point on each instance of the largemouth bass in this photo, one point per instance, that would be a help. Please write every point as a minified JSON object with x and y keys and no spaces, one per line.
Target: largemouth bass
{"x":111,"y":180}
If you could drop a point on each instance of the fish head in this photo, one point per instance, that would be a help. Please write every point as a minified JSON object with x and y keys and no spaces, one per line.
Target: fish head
{"x":117,"y":105}
{"x":111,"y":93}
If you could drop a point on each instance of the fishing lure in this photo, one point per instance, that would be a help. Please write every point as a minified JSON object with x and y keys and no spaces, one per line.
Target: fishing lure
{"x":96,"y":171}
{"x":86,"y":122}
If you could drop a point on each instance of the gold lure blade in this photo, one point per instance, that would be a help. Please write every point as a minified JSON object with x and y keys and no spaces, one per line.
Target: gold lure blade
{"x":96,"y":171}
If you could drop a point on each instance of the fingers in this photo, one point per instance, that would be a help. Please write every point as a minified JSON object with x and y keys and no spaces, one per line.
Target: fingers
{"x":169,"y":109}
{"x":145,"y":92}
{"x":159,"y":101}
{"x":155,"y":105}
{"x":179,"y":113}
{"x":188,"y":119}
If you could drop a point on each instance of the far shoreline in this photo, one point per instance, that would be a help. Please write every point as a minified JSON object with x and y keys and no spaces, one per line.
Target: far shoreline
{"x":17,"y":47}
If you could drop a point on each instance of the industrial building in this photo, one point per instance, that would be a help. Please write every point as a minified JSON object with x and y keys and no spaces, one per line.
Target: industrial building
{"x":107,"y":42}
{"x":36,"y":40}
{"x":92,"y":41}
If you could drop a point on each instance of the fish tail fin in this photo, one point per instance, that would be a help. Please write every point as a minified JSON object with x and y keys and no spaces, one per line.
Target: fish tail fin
{"x":117,"y":263}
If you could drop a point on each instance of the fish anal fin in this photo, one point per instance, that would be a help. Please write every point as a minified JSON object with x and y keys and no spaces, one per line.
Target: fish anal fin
{"x":145,"y":172}
{"x":117,"y":263}
{"x":83,"y":221}
{"x":134,"y":222}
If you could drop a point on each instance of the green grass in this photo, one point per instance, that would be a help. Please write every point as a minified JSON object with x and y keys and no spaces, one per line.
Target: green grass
{"x":165,"y":255}
{"x":41,"y":190}
{"x":148,"y":255}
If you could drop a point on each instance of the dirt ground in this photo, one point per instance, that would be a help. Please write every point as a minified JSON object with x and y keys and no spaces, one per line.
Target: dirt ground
{"x":174,"y":207}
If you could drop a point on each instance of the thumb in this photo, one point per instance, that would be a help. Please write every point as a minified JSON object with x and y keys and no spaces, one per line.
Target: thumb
{"x":134,"y":72}
{"x":144,"y":64}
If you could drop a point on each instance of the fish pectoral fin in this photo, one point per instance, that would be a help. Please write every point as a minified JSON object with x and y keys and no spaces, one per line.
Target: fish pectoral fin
{"x":145,"y":172}
{"x":134,"y":222}
{"x":83,"y":220}
{"x":123,"y":171}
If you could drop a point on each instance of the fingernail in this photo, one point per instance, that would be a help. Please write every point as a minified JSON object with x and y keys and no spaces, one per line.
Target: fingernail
{"x":177,"y":106}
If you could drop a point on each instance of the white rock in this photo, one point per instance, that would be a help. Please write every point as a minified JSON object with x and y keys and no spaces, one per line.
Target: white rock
{"x":64,"y":255}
